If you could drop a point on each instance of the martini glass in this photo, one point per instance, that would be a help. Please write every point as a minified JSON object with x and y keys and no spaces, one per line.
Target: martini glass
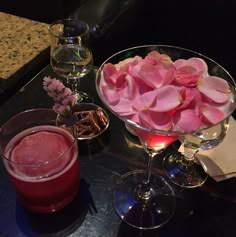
{"x":142,"y":198}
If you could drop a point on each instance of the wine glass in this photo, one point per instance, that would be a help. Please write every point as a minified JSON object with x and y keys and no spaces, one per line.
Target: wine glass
{"x":141,"y":198}
{"x":183,"y":168}
{"x":70,"y":53}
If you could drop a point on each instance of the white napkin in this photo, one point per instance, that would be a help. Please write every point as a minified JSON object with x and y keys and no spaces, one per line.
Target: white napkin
{"x":220,"y":162}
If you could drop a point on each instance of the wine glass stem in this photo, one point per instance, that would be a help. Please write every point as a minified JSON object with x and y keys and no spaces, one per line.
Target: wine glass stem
{"x":74,"y":83}
{"x":189,"y":153}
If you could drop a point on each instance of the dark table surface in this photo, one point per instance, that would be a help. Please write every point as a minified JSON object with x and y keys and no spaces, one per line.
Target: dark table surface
{"x":206,"y":211}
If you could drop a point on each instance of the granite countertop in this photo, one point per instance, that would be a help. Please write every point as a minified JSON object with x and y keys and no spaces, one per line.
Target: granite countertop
{"x":21,"y":40}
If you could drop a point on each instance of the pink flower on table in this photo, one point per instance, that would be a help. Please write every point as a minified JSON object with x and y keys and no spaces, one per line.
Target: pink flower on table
{"x":68,"y":100}
{"x":60,"y":109}
{"x":62,"y":96}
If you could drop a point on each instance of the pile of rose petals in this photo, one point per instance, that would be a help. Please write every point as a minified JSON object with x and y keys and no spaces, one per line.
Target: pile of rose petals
{"x":158,"y":93}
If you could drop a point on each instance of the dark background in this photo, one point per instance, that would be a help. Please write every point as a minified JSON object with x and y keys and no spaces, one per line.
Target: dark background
{"x":206,"y":26}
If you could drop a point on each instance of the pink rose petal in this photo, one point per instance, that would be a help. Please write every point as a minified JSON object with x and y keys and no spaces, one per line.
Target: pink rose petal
{"x":187,"y":76}
{"x":148,"y":74}
{"x":187,"y":121}
{"x":124,"y":107}
{"x":131,"y":89}
{"x":144,"y":101}
{"x":211,"y":114}
{"x":189,"y":71}
{"x":110,"y":94}
{"x":190,"y":97}
{"x":124,"y":64}
{"x":197,"y":63}
{"x":155,"y":57}
{"x":167,"y":98}
{"x":215,"y":88}
{"x":108,"y":70}
{"x":156,"y":120}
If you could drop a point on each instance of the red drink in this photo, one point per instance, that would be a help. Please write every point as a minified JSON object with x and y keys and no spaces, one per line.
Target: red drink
{"x":153,"y":141}
{"x":44,"y":168}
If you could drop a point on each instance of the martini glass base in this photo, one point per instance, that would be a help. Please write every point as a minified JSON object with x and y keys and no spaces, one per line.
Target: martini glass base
{"x":183,"y":173}
{"x":143,"y":213}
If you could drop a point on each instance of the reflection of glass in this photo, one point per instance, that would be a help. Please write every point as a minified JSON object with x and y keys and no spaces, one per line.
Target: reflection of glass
{"x":41,"y":160}
{"x":182,"y":168}
{"x":141,"y":198}
{"x":71,"y":57}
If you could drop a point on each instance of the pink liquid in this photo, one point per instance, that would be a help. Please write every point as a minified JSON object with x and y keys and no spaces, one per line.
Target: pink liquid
{"x":44,"y":187}
{"x":155,"y":141}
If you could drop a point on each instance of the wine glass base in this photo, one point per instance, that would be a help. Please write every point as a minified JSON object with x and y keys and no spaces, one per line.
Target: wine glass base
{"x":183,"y":173}
{"x":137,"y":212}
{"x":83,"y":97}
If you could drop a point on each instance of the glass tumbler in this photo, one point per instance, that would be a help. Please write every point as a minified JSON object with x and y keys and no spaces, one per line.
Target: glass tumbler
{"x":41,"y":160}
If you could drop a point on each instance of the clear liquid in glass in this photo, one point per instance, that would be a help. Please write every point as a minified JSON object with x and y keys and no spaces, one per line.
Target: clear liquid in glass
{"x":71,"y":61}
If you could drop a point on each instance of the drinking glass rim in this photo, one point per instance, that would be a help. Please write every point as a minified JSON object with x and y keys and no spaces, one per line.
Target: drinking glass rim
{"x":153,"y":130}
{"x":67,"y":20}
{"x":45,"y":162}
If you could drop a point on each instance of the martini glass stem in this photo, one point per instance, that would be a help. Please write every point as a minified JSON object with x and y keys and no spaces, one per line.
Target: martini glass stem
{"x":146,"y":187}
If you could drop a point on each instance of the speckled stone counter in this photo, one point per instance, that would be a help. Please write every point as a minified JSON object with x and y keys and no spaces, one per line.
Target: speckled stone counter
{"x":21,"y":40}
{"x":22,"y":44}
